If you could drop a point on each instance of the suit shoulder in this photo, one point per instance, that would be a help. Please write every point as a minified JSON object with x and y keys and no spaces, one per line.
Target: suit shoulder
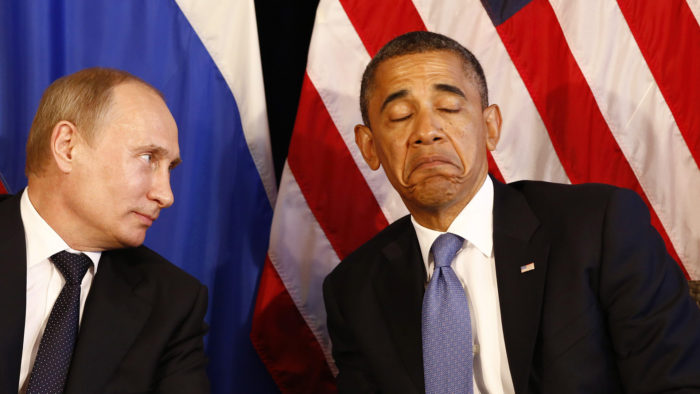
{"x":548,"y":196}
{"x":10,"y":202}
{"x":583,"y":210}
{"x":155,"y":267}
{"x":363,"y":258}
{"x":543,"y":188}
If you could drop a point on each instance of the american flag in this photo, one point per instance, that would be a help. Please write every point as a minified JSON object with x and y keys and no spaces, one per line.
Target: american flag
{"x":590,"y":91}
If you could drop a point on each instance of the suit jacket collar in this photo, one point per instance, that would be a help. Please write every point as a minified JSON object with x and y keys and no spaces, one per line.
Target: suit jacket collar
{"x":399,"y":285}
{"x":518,"y":240}
{"x":115,"y":312}
{"x":13,"y":292}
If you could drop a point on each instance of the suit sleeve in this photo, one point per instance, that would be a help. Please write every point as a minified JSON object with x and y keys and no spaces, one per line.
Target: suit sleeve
{"x":182,"y":366}
{"x":653,"y":323}
{"x":353,"y":374}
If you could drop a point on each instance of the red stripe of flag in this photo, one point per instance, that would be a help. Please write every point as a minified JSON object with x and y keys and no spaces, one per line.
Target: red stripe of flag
{"x":348,"y":213}
{"x":284,"y":342}
{"x":377,"y":22}
{"x":669,"y":37}
{"x":3,"y":189}
{"x":329,"y":179}
{"x":585,"y":146}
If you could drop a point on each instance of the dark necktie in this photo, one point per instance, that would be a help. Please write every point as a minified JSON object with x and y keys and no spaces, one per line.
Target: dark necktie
{"x":447,"y":330}
{"x":56,"y":348}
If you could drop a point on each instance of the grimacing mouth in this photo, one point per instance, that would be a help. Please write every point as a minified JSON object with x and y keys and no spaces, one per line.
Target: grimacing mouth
{"x":452,"y":158}
{"x":454,"y":179}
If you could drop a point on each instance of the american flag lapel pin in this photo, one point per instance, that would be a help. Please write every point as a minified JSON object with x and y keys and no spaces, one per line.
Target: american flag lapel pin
{"x":527,"y":267}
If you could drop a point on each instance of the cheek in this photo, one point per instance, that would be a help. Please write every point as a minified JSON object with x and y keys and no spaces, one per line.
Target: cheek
{"x":139,"y":178}
{"x":467,"y":150}
{"x":130,"y":179}
{"x":470,"y":139}
{"x":473,"y":156}
{"x":394,"y":156}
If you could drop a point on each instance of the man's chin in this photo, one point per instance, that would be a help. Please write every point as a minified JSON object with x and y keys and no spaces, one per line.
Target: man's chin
{"x":434,"y":193}
{"x":133,"y":239}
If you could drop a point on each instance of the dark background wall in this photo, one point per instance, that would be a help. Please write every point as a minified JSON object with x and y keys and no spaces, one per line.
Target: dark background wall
{"x":284,"y":29}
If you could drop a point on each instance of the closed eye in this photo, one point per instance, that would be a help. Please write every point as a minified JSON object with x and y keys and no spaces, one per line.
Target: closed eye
{"x":449,"y":110}
{"x":401,"y":118}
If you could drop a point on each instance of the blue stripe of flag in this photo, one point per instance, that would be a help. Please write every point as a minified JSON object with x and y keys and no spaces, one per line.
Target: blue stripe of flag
{"x":500,"y":10}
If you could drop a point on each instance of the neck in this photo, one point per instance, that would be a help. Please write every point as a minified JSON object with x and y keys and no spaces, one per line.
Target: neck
{"x":439,"y":218}
{"x":45,"y":195}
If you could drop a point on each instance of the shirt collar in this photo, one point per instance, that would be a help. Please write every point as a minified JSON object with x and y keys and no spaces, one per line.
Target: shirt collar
{"x":474,"y":223}
{"x":42,"y":241}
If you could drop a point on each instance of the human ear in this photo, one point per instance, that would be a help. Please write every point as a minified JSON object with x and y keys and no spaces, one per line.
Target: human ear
{"x":64,"y":137}
{"x":492,"y":117}
{"x":365,"y":141}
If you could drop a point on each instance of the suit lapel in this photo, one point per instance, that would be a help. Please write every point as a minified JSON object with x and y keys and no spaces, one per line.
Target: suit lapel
{"x":399,"y":285}
{"x":13,"y":292}
{"x":517,"y":242}
{"x":115,"y":312}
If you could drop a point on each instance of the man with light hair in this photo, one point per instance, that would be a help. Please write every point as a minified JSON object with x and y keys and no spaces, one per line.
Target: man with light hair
{"x":87,"y":308}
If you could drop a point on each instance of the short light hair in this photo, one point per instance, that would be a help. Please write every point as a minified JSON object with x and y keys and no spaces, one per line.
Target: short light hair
{"x":421,"y":42}
{"x":81,"y":98}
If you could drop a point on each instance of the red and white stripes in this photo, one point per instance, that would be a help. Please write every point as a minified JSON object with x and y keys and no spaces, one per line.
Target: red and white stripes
{"x":590,"y":91}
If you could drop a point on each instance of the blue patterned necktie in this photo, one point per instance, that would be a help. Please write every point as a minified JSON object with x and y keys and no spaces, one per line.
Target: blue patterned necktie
{"x":56,"y":348}
{"x":447,"y":331}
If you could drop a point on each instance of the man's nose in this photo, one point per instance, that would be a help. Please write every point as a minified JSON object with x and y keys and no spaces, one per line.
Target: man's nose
{"x":428,"y":128}
{"x":161,"y":191}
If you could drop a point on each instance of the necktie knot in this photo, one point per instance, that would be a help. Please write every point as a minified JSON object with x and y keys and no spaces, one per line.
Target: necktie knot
{"x":445,"y":248}
{"x":72,"y":266}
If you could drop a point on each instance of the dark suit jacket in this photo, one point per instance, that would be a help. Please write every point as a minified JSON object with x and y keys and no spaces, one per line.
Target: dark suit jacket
{"x":142,"y":327}
{"x":606,"y":309}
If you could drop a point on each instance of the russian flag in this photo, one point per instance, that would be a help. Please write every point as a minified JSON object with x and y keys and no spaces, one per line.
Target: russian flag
{"x":204,"y":57}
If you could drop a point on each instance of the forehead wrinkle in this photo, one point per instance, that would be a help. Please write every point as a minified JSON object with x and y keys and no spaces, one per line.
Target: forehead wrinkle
{"x":394,"y":96}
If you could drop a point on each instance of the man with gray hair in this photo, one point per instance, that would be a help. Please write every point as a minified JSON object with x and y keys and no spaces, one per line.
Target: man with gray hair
{"x":520,"y":288}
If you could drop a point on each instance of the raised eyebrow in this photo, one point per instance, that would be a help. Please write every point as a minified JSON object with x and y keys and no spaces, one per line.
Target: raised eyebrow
{"x":443,"y":87}
{"x":394,"y":96}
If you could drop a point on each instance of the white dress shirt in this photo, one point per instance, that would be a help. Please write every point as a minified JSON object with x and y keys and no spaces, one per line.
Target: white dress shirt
{"x":44,"y":281}
{"x":475,"y":267}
